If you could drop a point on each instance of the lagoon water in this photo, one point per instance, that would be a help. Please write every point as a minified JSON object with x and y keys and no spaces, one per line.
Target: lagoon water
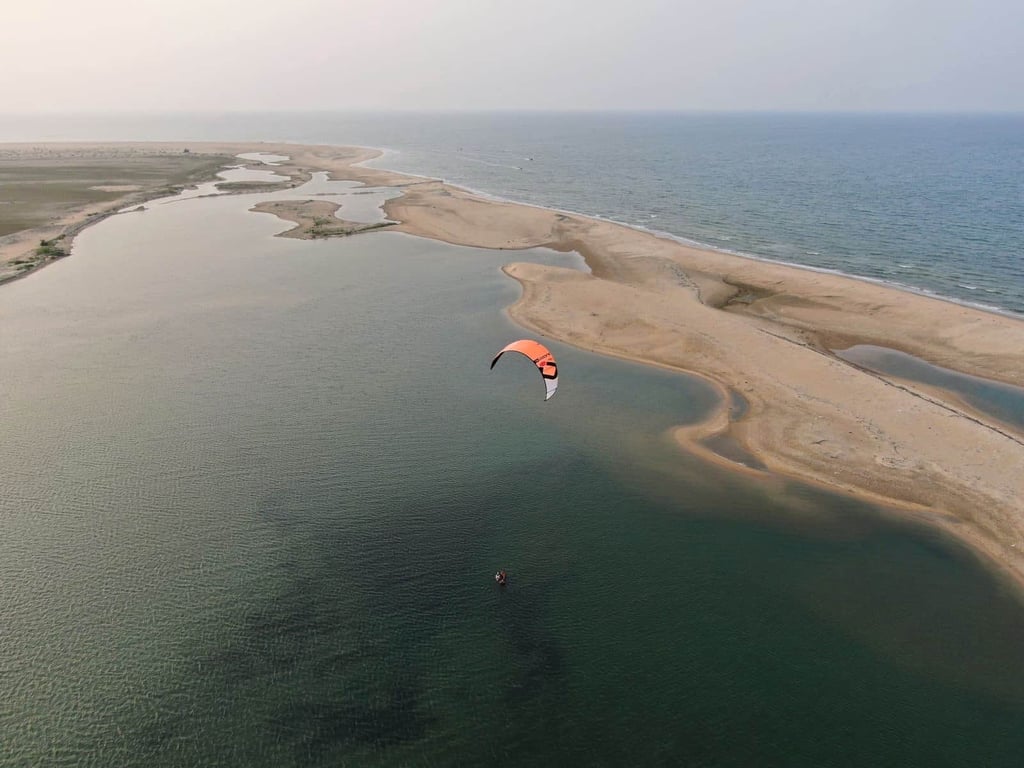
{"x":1002,"y":401}
{"x":253,"y":490}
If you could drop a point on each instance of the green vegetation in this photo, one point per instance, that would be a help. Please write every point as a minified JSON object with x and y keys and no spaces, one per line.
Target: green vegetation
{"x":252,"y":186}
{"x":378,"y":225}
{"x":49,"y":251}
{"x":322,"y":227}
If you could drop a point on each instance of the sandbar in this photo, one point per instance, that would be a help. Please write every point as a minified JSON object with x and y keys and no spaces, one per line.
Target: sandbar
{"x":314,"y":219}
{"x":764,"y":330}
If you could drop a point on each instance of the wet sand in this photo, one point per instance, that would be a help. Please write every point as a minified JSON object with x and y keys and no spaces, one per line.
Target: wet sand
{"x":763,"y":330}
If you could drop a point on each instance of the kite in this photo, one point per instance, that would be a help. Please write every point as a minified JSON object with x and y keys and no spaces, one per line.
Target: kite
{"x":541,"y":357}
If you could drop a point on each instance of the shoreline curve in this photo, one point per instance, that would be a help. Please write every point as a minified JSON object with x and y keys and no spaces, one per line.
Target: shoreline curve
{"x":761,"y":328}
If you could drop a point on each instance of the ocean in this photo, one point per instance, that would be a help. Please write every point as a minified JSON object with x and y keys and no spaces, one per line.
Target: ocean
{"x":934,"y":203}
{"x":253,"y":491}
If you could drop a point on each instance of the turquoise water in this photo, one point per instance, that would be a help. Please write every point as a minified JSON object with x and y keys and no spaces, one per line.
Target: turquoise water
{"x":931,"y":202}
{"x":253,"y":490}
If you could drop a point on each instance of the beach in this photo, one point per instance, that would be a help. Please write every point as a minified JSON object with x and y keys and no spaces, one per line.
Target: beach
{"x":761,"y":330}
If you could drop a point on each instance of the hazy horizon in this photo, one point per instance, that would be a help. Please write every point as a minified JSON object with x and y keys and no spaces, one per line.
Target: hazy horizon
{"x":480,"y":56}
{"x":1009,"y":112}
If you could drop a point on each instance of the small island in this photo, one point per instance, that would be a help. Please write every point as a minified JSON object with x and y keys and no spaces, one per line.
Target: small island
{"x":315,"y":219}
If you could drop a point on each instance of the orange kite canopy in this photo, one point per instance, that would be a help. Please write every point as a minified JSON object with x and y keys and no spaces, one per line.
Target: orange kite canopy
{"x":541,"y":357}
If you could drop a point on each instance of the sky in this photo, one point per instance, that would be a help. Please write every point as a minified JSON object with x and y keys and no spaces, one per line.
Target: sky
{"x":252,"y":55}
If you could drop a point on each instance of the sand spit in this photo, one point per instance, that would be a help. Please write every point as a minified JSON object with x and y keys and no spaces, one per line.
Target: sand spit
{"x":766,"y":331}
{"x":763,"y":330}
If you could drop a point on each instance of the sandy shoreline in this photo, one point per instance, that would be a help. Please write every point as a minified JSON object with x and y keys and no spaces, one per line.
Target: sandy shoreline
{"x":758,"y":328}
